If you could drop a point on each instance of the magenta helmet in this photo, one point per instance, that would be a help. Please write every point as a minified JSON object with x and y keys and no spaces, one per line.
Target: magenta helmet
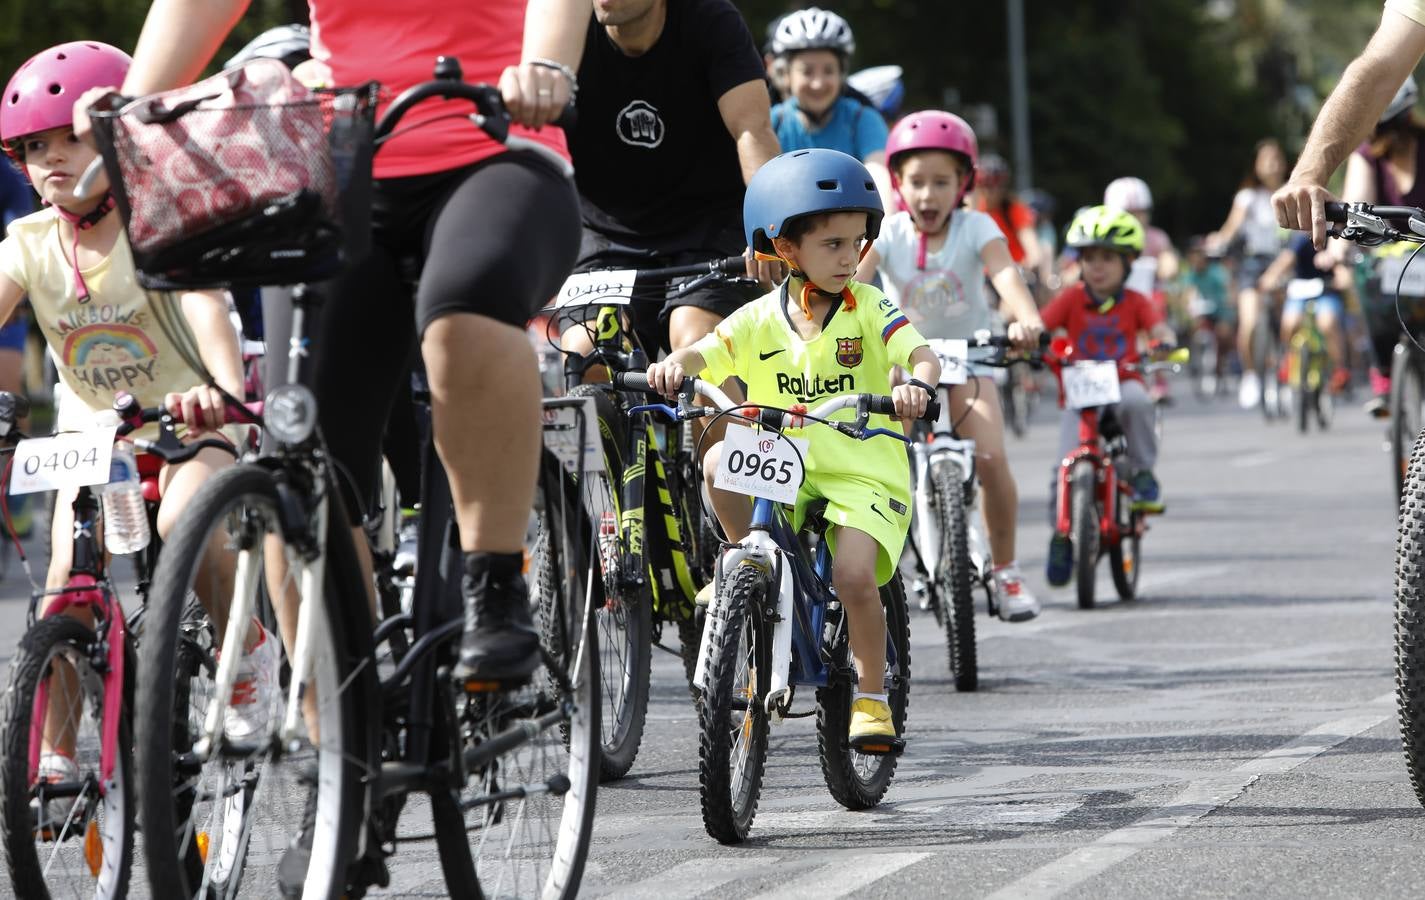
{"x":934,"y":130}
{"x":42,"y":92}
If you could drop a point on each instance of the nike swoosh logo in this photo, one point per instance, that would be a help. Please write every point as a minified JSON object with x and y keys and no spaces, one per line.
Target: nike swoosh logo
{"x":881,"y":514}
{"x":768,"y":355}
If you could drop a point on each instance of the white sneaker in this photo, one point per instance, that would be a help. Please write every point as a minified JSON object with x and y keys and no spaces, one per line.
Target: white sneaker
{"x":251,"y":702}
{"x":705,"y":595}
{"x":55,"y":767}
{"x":1012,"y":599}
{"x":1249,"y":390}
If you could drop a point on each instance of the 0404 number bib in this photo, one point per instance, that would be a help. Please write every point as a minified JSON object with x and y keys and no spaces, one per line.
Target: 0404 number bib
{"x":761,"y":464}
{"x":72,"y":459}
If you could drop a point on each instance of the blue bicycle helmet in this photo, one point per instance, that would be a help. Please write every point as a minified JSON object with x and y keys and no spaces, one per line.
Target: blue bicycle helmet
{"x":802,"y":183}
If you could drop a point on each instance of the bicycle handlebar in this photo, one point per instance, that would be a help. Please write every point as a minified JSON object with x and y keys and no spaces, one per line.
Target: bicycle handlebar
{"x":1370,"y":225}
{"x":771,"y":416}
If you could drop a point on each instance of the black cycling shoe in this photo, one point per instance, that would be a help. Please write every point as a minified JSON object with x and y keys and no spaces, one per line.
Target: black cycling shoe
{"x":292,"y":868}
{"x":500,"y":647}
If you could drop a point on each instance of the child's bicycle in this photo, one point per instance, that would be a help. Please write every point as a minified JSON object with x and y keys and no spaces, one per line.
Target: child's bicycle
{"x":775,"y":623}
{"x":656,"y":547}
{"x":950,"y":553}
{"x":67,"y":795}
{"x":1306,"y":364}
{"x":1093,"y":505}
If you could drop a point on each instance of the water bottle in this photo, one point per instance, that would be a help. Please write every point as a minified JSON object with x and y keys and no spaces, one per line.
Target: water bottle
{"x":125,"y":514}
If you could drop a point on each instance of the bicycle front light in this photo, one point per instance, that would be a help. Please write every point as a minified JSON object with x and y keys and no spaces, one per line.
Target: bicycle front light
{"x":290,"y":413}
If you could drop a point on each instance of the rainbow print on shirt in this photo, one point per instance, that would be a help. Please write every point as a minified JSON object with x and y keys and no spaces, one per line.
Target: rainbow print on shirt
{"x":110,"y":356}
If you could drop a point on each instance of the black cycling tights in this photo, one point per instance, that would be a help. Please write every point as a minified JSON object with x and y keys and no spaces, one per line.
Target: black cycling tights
{"x":497,"y":239}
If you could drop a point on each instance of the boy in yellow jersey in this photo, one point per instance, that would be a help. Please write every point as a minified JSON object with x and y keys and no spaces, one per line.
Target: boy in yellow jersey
{"x":821,"y":335}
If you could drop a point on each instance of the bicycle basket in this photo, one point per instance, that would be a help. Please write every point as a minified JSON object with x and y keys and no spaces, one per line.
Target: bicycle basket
{"x":244,"y":179}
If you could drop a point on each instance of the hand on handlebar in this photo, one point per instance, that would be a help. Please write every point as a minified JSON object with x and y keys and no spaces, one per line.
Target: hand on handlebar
{"x":1025,"y":335}
{"x":769,"y":273}
{"x":1301,"y":205}
{"x":911,"y":401}
{"x":534,"y":95}
{"x":666,"y":378}
{"x":201,"y":407}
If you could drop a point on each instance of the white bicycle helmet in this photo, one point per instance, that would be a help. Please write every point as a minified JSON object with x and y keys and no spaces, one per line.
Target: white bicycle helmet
{"x":1128,"y":194}
{"x":812,"y":29}
{"x":289,"y":44}
{"x":1403,"y":100}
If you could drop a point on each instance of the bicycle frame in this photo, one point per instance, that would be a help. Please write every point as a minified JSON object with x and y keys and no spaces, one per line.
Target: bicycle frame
{"x":1102,"y":454}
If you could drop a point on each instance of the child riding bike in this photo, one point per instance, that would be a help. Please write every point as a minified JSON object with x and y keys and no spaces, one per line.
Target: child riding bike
{"x":820,"y":335}
{"x":73,"y":262}
{"x":933,"y":257}
{"x":1103,"y":319}
{"x":1302,"y":262}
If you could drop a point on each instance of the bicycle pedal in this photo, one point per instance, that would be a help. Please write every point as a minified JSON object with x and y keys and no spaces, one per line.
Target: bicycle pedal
{"x":489,"y":686}
{"x":878,"y":745}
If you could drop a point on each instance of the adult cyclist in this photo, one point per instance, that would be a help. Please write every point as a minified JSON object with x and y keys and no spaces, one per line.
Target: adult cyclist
{"x":813,"y":48}
{"x":497,"y":231}
{"x":673,"y":121}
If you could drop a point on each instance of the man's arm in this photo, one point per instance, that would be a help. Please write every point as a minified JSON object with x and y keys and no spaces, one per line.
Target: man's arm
{"x":747,"y":113}
{"x":1347,"y":117}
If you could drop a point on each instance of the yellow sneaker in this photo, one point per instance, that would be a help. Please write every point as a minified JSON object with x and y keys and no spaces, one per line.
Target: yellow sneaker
{"x":872,"y":730}
{"x":704,"y":597}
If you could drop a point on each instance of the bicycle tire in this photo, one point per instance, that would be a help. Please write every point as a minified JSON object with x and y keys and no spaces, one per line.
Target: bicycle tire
{"x":1410,"y":621}
{"x":1303,"y":395}
{"x":237,"y":502}
{"x":1012,"y":402}
{"x":546,"y":860}
{"x":1124,"y":560}
{"x":1264,"y":354}
{"x":1407,"y":403}
{"x":953,"y":573}
{"x":18,"y":826}
{"x":1083,"y":515}
{"x":625,"y":622}
{"x":856,"y":780}
{"x":740,"y":646}
{"x":690,"y":640}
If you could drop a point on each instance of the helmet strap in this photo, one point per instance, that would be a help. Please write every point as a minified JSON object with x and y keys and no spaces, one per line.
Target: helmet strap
{"x":84,"y":223}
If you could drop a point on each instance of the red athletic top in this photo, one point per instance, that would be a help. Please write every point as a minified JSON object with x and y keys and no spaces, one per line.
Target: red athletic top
{"x":396,"y":43}
{"x":1111,"y":334}
{"x":1020,"y":216}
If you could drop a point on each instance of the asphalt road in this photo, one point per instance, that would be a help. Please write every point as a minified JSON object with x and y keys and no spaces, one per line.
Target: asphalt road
{"x":1231,"y":733}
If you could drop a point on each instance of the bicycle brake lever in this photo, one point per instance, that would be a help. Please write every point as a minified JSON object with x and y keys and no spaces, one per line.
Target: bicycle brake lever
{"x":872,"y":432}
{"x":663,"y":408}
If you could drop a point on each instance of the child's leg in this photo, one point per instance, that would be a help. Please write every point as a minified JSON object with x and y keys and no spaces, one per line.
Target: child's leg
{"x":854,"y":574}
{"x":1291,"y":317}
{"x":213,"y":582}
{"x":1135,"y":414}
{"x":63,"y":688}
{"x":734,"y":511}
{"x":982,"y":421}
{"x":1330,"y":324}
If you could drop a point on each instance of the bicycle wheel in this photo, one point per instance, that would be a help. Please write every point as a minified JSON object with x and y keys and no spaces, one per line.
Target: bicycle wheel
{"x":1303,"y":395}
{"x":1123,"y":556}
{"x":625,"y":626}
{"x":233,"y":812}
{"x":1410,"y":621}
{"x":732,"y":743}
{"x":954,"y":585}
{"x":859,"y":780}
{"x":1407,"y":403}
{"x":72,"y":838}
{"x":1013,"y":403}
{"x":1264,"y":353}
{"x":528,"y":810}
{"x":1083,"y":516}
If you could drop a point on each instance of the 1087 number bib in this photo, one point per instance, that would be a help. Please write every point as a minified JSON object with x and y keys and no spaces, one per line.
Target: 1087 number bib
{"x":761,"y":464}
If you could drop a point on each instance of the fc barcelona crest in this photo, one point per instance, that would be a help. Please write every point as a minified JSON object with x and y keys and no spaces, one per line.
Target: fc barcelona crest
{"x":848,"y":351}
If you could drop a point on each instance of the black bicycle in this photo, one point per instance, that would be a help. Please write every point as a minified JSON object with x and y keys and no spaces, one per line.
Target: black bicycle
{"x":352,"y":727}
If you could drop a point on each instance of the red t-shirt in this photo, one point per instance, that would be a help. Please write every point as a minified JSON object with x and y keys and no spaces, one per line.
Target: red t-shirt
{"x":396,"y":43}
{"x":1020,"y":217}
{"x":1101,"y":335}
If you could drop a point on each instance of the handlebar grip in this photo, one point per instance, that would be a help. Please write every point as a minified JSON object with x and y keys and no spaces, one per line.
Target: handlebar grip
{"x":638,"y":381}
{"x":1335,"y":211}
{"x":887,"y":406}
{"x":233,"y":413}
{"x":732,"y":265}
{"x":568,"y":118}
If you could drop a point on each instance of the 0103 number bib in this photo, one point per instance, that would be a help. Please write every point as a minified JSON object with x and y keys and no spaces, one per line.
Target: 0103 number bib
{"x":611,"y":287}
{"x":761,"y":464}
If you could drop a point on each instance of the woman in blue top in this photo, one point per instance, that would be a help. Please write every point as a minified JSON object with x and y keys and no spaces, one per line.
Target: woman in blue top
{"x":814,"y":47}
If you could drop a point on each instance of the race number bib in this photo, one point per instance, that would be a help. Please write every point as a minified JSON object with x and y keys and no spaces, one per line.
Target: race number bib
{"x":563,"y":425}
{"x":761,"y":464}
{"x":953,"y":355}
{"x":607,"y":288}
{"x":1414,"y":283}
{"x":73,"y":459}
{"x":1091,"y":384}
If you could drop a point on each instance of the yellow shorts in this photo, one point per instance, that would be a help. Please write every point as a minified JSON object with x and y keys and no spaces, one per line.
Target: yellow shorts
{"x":880,"y":510}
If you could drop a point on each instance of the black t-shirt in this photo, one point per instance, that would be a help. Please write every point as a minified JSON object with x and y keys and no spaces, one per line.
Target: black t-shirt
{"x":655,"y":165}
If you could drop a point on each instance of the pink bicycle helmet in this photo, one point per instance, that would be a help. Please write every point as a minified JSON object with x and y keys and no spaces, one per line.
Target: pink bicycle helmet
{"x":42,"y":92}
{"x":934,"y":130}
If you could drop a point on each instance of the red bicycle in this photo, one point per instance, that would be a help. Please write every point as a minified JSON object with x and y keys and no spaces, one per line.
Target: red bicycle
{"x":1093,"y":505}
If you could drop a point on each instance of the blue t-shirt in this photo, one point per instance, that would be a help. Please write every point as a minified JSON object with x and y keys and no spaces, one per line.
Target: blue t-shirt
{"x":854,"y":128}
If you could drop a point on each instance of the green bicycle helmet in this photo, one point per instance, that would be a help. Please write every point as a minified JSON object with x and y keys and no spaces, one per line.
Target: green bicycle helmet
{"x":1107,"y":227}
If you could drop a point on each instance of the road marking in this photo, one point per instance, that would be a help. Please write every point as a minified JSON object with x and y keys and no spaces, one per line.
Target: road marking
{"x":1256,"y":459}
{"x":1197,"y":800}
{"x":693,"y":877}
{"x":843,"y":877}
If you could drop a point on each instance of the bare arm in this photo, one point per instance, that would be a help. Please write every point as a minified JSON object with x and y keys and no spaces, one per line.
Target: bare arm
{"x":1235,"y":216}
{"x":910,"y":400}
{"x":206,"y":313}
{"x":554,"y":30}
{"x":10,"y":296}
{"x":869,"y":263}
{"x":1004,"y":275}
{"x":178,"y":40}
{"x":666,"y":376}
{"x":1347,"y":117}
{"x":747,"y":112}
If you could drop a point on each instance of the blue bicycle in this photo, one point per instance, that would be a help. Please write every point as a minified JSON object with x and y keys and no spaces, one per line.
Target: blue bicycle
{"x":775,"y":624}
